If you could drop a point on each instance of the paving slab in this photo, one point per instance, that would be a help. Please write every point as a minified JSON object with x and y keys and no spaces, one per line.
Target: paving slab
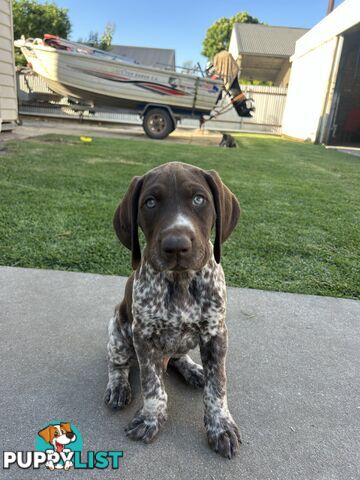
{"x":293,"y":381}
{"x":353,"y":150}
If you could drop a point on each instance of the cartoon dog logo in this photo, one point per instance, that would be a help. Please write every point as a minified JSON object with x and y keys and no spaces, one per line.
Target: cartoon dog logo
{"x":58,"y":436}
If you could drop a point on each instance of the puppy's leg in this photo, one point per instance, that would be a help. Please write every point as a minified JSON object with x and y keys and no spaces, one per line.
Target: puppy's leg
{"x":148,"y":420}
{"x":223,"y":141}
{"x":222,"y":432}
{"x":192,"y":372}
{"x":120,"y":354}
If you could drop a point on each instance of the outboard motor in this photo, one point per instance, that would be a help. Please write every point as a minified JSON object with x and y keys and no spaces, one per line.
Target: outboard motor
{"x":238,"y":99}
{"x":225,"y":67}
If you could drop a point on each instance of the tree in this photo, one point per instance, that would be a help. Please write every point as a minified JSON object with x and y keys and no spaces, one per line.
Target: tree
{"x":107,"y":36}
{"x":33,"y":19}
{"x":104,"y":42}
{"x":217,"y":37}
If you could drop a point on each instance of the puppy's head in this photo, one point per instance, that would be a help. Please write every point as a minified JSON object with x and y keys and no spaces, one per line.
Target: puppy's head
{"x":176,"y":205}
{"x":58,"y":435}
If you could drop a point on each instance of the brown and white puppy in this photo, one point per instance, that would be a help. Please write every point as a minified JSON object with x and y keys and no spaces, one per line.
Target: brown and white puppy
{"x":176,"y":298}
{"x":58,"y":436}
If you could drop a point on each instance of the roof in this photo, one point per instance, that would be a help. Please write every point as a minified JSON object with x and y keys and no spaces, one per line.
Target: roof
{"x":256,"y":39}
{"x":155,"y":57}
{"x":344,"y":17}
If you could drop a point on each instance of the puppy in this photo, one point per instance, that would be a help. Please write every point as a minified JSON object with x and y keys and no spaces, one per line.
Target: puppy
{"x":228,"y":141}
{"x":176,"y":298}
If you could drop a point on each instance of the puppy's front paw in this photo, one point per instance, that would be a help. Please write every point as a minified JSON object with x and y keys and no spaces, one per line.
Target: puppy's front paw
{"x":143,"y":427}
{"x":223,"y":435}
{"x":118,"y":395}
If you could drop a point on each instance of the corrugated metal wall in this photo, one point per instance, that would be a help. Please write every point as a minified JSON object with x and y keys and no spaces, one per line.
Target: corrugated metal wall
{"x":8,"y":100}
{"x":269,"y":103}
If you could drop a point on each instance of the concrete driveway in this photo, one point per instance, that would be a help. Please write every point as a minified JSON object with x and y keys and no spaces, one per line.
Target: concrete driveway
{"x":35,"y":126}
{"x":293,"y":373}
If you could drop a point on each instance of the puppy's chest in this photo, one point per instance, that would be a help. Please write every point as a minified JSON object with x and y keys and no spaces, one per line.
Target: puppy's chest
{"x":174,"y":314}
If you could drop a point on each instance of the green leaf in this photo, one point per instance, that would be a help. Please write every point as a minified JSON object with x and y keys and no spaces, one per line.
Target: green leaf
{"x":217,"y":37}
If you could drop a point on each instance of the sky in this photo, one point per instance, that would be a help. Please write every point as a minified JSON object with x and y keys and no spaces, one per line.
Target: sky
{"x":182,"y":25}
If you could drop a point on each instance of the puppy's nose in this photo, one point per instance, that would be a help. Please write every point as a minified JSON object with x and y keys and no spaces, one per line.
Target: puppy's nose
{"x":70,"y":435}
{"x":175,"y":244}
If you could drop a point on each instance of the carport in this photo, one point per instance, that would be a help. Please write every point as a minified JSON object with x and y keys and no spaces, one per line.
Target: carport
{"x":263,"y":51}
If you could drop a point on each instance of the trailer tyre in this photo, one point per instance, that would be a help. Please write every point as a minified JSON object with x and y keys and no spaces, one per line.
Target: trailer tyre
{"x":158,"y":123}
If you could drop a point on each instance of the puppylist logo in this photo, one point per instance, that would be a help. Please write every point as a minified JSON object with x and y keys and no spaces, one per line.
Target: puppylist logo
{"x":59,"y":447}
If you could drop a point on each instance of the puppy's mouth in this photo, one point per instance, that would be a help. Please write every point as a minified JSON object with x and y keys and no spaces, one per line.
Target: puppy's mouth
{"x":180,"y":264}
{"x":179,"y":267}
{"x":59,"y":446}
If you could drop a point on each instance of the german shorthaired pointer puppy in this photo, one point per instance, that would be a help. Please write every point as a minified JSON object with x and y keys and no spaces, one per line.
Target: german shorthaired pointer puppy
{"x":175,"y":299}
{"x":228,"y":141}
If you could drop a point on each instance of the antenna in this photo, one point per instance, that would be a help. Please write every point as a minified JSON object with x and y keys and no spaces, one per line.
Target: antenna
{"x":330,"y":7}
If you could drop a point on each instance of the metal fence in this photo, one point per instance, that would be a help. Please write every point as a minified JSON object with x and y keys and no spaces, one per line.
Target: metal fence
{"x":35,"y":98}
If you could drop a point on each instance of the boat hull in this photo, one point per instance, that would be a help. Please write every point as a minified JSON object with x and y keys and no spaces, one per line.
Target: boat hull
{"x":104,"y":82}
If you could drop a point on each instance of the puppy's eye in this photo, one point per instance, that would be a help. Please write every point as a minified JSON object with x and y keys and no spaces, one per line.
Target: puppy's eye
{"x":198,"y":200}
{"x":62,"y":431}
{"x":56,"y":434}
{"x":150,"y":202}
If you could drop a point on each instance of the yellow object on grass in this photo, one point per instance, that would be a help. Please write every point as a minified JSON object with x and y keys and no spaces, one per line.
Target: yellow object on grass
{"x":86,"y":139}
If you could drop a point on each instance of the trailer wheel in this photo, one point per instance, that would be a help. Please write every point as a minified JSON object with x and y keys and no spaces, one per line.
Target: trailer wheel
{"x":158,"y":123}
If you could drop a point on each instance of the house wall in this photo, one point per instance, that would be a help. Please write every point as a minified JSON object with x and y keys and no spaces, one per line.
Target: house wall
{"x":307,"y":92}
{"x":8,"y":98}
{"x":313,"y":74}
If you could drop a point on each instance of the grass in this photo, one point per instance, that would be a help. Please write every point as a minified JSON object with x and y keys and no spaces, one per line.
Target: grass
{"x":299,"y":230}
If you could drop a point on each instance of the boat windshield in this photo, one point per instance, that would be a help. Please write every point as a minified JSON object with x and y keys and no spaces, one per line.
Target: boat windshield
{"x":61,"y":44}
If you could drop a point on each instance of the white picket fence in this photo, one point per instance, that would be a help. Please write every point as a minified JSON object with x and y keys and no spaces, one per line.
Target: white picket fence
{"x":269,"y":105}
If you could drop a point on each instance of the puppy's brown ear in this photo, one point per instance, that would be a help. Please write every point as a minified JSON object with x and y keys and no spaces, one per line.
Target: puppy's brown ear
{"x":47,"y":433}
{"x":66,"y":427}
{"x":126,"y":220}
{"x":227,"y":210}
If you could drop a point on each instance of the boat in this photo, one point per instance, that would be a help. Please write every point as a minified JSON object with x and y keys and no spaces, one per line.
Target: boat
{"x":88,"y":75}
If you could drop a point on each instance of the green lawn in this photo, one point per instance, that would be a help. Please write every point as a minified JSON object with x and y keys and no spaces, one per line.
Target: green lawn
{"x":299,"y":230}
